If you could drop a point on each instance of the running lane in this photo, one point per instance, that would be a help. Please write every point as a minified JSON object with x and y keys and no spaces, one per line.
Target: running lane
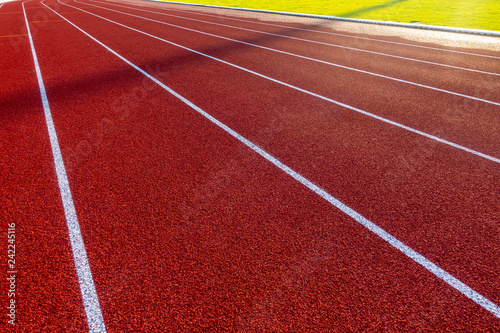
{"x":323,"y":32}
{"x":330,"y":47}
{"x":46,"y":293}
{"x":463,"y":120}
{"x":420,"y":189}
{"x":187,"y":229}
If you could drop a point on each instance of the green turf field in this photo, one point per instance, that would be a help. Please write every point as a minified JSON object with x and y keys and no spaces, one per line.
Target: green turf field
{"x":474,"y":14}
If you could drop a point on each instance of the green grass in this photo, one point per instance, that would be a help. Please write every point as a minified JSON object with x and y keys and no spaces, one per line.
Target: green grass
{"x":474,"y":14}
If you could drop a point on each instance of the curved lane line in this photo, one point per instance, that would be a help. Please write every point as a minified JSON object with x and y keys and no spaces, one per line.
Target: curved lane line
{"x":433,"y":28}
{"x":295,"y":38}
{"x":410,"y":129}
{"x":412,"y":254}
{"x":87,"y":287}
{"x":322,"y":32}
{"x":308,"y":58}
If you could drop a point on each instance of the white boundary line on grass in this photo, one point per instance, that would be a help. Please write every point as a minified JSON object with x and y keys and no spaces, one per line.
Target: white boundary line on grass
{"x":412,"y":254}
{"x":388,"y":23}
{"x":282,"y":36}
{"x":87,"y":287}
{"x":385,"y":120}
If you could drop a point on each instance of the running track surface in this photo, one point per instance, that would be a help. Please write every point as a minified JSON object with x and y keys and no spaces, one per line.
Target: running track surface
{"x":192,"y":223}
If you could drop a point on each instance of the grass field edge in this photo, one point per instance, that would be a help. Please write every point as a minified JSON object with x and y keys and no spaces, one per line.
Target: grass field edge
{"x":490,"y":33}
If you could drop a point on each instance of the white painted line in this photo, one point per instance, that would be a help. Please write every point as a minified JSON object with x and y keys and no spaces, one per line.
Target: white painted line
{"x":337,"y":18}
{"x":3,"y":2}
{"x":412,"y":254}
{"x":491,"y":158}
{"x":287,"y":37}
{"x":87,"y":288}
{"x":311,"y":59}
{"x":326,"y":32}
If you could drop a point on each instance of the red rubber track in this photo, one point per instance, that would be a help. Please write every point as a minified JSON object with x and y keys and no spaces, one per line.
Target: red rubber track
{"x":455,"y":113}
{"x":47,"y":294}
{"x":212,"y":24}
{"x":188,"y":230}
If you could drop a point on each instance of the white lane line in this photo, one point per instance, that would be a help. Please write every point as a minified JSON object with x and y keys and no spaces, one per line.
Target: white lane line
{"x":433,"y":28}
{"x":87,"y":287}
{"x":491,"y":158}
{"x":330,"y":33}
{"x":307,"y":58}
{"x":412,"y":254}
{"x":293,"y":38}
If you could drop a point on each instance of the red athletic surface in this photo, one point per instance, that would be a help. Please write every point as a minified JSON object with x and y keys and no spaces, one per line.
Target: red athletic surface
{"x":188,"y":230}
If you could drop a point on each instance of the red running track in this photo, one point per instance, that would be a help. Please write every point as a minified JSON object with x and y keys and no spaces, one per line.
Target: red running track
{"x":188,"y":220}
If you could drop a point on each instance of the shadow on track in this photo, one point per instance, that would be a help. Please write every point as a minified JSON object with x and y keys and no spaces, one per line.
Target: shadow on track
{"x":361,"y":11}
{"x":64,"y":90}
